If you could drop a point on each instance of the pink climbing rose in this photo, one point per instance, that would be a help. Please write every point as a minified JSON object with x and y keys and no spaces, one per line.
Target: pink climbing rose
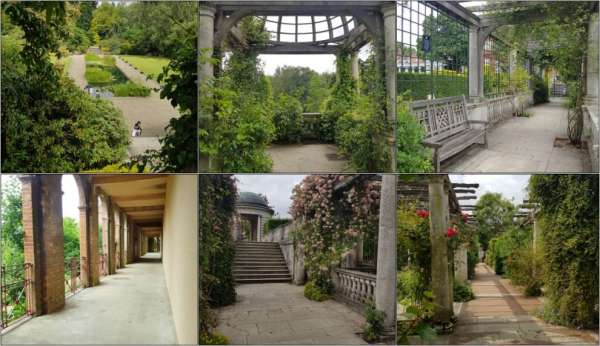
{"x":423,"y":214}
{"x":451,"y":232}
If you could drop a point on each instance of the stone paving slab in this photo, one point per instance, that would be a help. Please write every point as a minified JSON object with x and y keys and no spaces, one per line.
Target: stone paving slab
{"x":305,"y":158}
{"x":507,"y":317}
{"x":524,"y":145}
{"x":278,"y":313}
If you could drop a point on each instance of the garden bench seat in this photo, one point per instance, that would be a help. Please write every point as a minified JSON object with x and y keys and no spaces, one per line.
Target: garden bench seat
{"x":448,"y":129}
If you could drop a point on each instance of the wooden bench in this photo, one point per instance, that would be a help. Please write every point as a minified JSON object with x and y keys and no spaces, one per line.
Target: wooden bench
{"x":448,"y":130}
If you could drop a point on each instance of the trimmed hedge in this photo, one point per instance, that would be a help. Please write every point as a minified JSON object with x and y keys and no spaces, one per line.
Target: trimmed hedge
{"x":444,"y":84}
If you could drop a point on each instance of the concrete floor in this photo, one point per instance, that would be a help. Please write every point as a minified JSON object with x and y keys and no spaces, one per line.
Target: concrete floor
{"x":524,"y":145}
{"x":308,"y":158}
{"x":130,"y":307}
{"x":500,"y":314}
{"x":278,"y":313}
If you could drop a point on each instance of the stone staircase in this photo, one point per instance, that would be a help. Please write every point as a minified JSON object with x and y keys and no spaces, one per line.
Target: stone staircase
{"x":259,"y":262}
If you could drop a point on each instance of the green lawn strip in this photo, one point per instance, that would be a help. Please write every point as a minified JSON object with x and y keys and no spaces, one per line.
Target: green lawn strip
{"x":148,"y":65}
{"x":102,"y":72}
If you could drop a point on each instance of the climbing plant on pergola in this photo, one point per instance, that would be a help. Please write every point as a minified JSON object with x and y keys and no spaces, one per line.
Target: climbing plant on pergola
{"x":304,"y":27}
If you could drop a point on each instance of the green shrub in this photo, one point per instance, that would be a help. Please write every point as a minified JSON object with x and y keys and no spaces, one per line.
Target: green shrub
{"x":523,"y":269}
{"x":410,"y":284}
{"x":130,"y":89}
{"x":360,"y":137}
{"x":462,"y":291}
{"x":213,"y":339}
{"x":373,"y":328}
{"x":419,"y":315}
{"x":411,"y":155}
{"x":314,"y":292}
{"x":540,"y":90}
{"x":287,"y":118}
{"x":92,"y":58}
{"x":472,"y":260}
{"x":273,"y":223}
{"x":98,"y":76}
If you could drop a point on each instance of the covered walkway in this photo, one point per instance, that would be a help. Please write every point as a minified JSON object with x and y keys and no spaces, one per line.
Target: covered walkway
{"x":278,"y":313}
{"x":500,"y":314}
{"x":522,"y":144}
{"x":130,"y":307}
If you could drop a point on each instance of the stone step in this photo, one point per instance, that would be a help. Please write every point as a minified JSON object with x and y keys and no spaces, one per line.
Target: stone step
{"x":259,"y":257}
{"x":263,"y":276}
{"x":259,"y":264}
{"x":277,"y":251}
{"x":277,"y":270}
{"x":262,"y":280}
{"x":256,"y":244}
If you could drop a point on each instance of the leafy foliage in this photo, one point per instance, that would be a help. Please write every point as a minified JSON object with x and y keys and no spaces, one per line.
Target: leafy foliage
{"x":450,"y":41}
{"x":411,"y":155}
{"x":303,"y":84}
{"x":287,"y":118}
{"x":419,"y":315}
{"x":216,"y":199}
{"x":374,"y":326}
{"x":314,"y":291}
{"x":443,"y":83}
{"x":494,"y":214}
{"x":71,"y":238}
{"x":462,"y":291}
{"x":273,"y":223}
{"x":240,"y":100}
{"x":568,"y":217}
{"x":540,"y":90}
{"x":48,"y":124}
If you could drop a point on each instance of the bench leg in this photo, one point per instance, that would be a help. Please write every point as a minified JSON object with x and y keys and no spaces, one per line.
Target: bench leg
{"x":485,"y":142}
{"x":436,"y":161}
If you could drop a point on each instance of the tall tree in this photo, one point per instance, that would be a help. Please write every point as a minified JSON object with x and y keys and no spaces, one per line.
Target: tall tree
{"x":494,"y":215}
{"x":449,"y":41}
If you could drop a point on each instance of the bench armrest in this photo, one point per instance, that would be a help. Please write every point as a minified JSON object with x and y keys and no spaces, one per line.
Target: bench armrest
{"x":431,"y":144}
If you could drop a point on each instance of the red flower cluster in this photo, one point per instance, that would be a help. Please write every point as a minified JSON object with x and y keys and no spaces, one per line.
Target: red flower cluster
{"x":423,"y":214}
{"x":451,"y":232}
{"x":465,"y":217}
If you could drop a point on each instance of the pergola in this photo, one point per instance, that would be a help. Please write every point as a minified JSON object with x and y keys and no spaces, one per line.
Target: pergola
{"x":306,"y":27}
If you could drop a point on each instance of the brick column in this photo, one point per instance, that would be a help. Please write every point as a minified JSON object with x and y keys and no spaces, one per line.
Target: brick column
{"x":44,"y":241}
{"x":94,"y":260}
{"x":88,"y":239}
{"x":103,"y":217}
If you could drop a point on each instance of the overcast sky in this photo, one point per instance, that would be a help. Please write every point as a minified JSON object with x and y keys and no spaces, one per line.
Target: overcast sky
{"x":512,"y":187}
{"x":278,"y":188}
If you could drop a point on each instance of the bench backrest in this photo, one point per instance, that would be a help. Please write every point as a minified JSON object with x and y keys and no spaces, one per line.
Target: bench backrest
{"x":442,"y":117}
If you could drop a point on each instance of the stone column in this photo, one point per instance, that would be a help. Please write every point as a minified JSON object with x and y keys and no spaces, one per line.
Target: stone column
{"x":43,"y":242}
{"x":356,"y":71}
{"x":461,"y":267}
{"x":389,"y":26}
{"x":298,"y":265}
{"x":112,"y":253}
{"x":122,"y":221}
{"x":129,"y":241}
{"x":259,"y":227}
{"x":385,"y":287}
{"x":475,"y":65}
{"x":117,"y":223}
{"x":206,"y":29}
{"x":440,"y":278}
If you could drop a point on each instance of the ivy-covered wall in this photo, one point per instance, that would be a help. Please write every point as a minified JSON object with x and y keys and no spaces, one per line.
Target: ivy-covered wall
{"x":568,"y":217}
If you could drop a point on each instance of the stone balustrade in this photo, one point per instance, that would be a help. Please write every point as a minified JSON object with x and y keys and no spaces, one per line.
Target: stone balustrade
{"x":354,"y":287}
{"x":500,"y":108}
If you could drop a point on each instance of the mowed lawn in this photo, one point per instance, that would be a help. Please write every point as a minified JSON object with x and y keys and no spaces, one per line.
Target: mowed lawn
{"x":148,"y":65}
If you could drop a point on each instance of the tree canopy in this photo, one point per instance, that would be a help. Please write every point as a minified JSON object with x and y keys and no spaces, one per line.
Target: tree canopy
{"x":494,"y":215}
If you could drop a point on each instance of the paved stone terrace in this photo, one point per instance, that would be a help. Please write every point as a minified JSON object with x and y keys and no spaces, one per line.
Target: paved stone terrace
{"x":525,"y":145}
{"x":500,"y":314}
{"x":278,"y":313}
{"x":305,"y":158}
{"x":130,"y":307}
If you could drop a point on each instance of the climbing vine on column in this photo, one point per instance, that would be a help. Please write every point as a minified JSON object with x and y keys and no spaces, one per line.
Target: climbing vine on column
{"x":242,"y":107}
